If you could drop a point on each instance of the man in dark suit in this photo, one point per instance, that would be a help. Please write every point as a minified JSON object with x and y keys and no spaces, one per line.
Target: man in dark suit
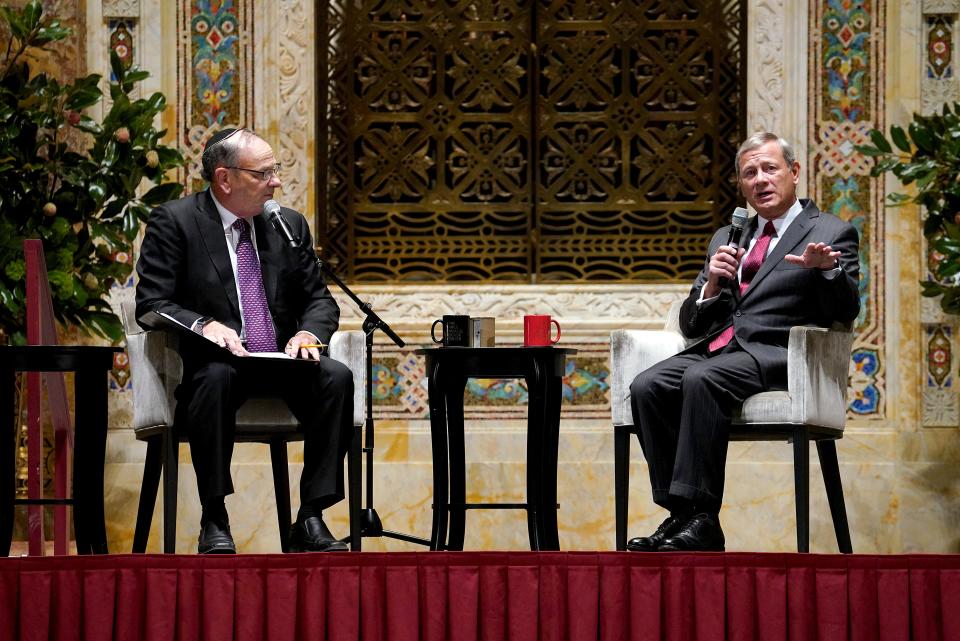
{"x":213,"y":263}
{"x":796,"y":266}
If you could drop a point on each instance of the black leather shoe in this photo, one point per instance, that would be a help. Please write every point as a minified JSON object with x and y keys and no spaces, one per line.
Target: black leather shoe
{"x":670,"y":526}
{"x":701,"y":533}
{"x":312,"y":535}
{"x":215,"y":538}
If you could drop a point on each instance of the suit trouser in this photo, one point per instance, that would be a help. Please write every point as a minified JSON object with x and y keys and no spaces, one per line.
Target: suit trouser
{"x":320,"y":396}
{"x":683,"y":408}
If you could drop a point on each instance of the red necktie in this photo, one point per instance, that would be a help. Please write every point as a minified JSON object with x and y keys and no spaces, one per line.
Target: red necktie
{"x":751,"y":265}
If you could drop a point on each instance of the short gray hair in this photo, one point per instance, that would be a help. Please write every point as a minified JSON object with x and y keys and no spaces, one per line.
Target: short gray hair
{"x":224,"y":152}
{"x":759,"y":139}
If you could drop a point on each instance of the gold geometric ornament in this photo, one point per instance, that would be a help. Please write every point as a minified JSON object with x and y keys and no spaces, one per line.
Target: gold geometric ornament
{"x":527,"y":142}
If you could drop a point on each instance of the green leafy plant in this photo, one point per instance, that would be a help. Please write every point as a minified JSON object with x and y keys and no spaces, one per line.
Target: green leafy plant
{"x":927,"y":155}
{"x":84,"y":194}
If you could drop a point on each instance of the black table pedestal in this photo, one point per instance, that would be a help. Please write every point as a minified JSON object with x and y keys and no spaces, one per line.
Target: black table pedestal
{"x":90,"y":363}
{"x":448,"y":369}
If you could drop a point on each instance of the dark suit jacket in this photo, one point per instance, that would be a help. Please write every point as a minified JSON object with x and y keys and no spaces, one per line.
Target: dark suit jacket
{"x":185,"y":271}
{"x":781,"y":295}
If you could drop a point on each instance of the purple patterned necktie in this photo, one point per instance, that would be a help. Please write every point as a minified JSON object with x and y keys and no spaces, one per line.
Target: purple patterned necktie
{"x":751,"y":265}
{"x":257,"y":323}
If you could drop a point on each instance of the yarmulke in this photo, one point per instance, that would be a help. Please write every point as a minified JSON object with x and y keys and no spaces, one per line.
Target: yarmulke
{"x":220,"y":136}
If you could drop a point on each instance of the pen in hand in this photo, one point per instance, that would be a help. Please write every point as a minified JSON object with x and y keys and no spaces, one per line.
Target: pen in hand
{"x":296,"y":349}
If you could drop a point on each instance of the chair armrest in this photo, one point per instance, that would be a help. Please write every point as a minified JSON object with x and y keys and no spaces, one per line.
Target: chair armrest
{"x":818,"y":363}
{"x":155,"y":372}
{"x":631,"y":352}
{"x":350,"y":349}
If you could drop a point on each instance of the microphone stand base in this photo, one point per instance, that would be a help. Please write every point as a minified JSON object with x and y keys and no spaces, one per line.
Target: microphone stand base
{"x":370,"y":525}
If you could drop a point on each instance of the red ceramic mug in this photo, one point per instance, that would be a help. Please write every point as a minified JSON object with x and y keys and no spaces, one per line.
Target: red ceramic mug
{"x":536,"y":330}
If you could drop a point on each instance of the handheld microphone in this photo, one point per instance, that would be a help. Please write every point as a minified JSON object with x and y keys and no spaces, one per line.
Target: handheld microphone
{"x":271,"y":209}
{"x":736,"y":231}
{"x":736,"y":227}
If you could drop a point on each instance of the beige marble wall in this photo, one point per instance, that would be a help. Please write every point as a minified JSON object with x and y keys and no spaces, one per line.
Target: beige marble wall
{"x":901,"y":479}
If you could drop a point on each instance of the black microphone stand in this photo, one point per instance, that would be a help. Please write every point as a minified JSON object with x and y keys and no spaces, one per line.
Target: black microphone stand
{"x":370,"y":524}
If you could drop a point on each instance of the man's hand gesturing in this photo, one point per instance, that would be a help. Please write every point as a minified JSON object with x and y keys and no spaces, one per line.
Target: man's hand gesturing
{"x":815,"y":256}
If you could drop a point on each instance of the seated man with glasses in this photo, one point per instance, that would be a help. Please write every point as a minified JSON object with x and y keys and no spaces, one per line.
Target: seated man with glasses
{"x":211,"y":262}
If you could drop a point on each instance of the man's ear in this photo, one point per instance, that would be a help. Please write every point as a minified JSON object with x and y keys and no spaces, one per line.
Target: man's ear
{"x":221,"y":179}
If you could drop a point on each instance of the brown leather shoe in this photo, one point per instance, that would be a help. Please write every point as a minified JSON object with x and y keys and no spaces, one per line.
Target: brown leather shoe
{"x":312,"y":535}
{"x":669,"y":527}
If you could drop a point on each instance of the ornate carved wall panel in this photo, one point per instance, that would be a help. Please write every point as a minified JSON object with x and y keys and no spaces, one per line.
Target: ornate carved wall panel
{"x":528,"y":141}
{"x":283,"y":69}
{"x":777,"y":46}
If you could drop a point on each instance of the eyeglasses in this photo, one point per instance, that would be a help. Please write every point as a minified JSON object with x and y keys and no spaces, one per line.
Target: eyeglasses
{"x":265,"y":174}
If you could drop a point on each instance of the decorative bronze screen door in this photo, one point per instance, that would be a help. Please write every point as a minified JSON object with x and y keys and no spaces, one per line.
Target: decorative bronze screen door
{"x":515,"y":141}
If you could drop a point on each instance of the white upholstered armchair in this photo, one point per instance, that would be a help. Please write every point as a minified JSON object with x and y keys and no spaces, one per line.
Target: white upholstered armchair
{"x":812,"y":408}
{"x":155,"y":370}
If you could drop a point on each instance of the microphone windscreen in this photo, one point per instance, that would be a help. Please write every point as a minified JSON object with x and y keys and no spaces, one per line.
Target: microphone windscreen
{"x":739,"y":217}
{"x":737,"y":223}
{"x":271,"y":207}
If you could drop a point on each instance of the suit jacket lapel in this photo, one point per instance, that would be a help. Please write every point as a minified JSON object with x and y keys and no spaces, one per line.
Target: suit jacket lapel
{"x":213,"y":238}
{"x":794,"y":235}
{"x":268,"y":248}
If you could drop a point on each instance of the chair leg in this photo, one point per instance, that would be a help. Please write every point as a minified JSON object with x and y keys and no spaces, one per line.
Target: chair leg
{"x":801,"y":480}
{"x":354,"y":488}
{"x":621,"y":481}
{"x":827,"y":450}
{"x":281,"y":489}
{"x":148,"y":494}
{"x":171,"y":464}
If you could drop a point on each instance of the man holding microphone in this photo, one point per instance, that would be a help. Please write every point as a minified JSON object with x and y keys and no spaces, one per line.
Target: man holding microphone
{"x":794,"y":265}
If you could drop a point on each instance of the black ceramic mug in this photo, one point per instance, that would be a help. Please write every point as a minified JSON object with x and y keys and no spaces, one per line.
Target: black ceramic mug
{"x":456,"y":331}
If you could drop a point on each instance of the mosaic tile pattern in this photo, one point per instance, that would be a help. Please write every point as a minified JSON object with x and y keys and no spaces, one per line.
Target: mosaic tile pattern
{"x":122,"y":42}
{"x":400,"y":387}
{"x":214,"y":50}
{"x":846,"y":73}
{"x":939,"y":357}
{"x":214,"y":66}
{"x":940,"y":46}
{"x":940,"y":402}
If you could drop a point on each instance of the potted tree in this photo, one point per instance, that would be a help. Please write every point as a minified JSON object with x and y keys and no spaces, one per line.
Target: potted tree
{"x":927,"y":155}
{"x":81,"y":186}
